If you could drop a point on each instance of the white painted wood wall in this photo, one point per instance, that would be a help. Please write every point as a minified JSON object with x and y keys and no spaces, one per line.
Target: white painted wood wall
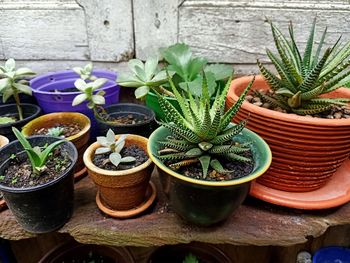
{"x":49,"y":35}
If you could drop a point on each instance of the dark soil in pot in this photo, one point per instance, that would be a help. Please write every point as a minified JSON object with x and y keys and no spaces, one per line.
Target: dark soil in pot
{"x":30,"y":112}
{"x":43,"y":207}
{"x":126,"y":118}
{"x":67,"y":130}
{"x":19,"y":171}
{"x":101,"y":160}
{"x":72,"y":89}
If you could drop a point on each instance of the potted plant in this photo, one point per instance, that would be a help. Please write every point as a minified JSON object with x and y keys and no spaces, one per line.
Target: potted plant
{"x":302,"y":113}
{"x":37,"y":182}
{"x":73,"y":126}
{"x":13,"y":83}
{"x":186,"y":70}
{"x":188,"y":253}
{"x":121,"y":118}
{"x":76,"y":252}
{"x":121,"y":169}
{"x":205,"y":163}
{"x":56,"y":91}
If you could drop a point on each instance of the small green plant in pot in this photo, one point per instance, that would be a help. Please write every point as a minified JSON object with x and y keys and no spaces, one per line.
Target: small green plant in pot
{"x":33,"y":177}
{"x":121,"y":118}
{"x":12,"y":83}
{"x":207,"y":161}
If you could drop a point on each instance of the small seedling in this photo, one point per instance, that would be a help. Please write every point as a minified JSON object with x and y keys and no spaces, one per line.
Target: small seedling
{"x":2,"y":177}
{"x":190,"y":258}
{"x":55,"y":131}
{"x":110,"y":145}
{"x":5,"y":120}
{"x":85,"y":72}
{"x":36,"y":155}
{"x":13,"y":82}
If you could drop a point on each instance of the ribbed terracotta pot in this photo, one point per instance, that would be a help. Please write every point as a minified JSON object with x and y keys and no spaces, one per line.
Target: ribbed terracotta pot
{"x":306,"y":151}
{"x":80,"y":139}
{"x":125,"y":189}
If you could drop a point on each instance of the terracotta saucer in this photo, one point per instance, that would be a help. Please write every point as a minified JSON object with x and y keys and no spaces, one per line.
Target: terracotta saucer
{"x":334,"y":193}
{"x":3,"y":205}
{"x":80,"y":175}
{"x":150,"y":197}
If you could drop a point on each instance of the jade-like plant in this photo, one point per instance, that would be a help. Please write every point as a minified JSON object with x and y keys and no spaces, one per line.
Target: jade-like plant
{"x":37,"y":156}
{"x":186,"y":70}
{"x":302,"y":78}
{"x":201,"y":133}
{"x":85,"y":72}
{"x":13,"y":82}
{"x":110,"y":145}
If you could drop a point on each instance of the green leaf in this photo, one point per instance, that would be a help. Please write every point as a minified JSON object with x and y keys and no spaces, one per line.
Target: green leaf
{"x":133,"y":63}
{"x":45,"y":154}
{"x":120,"y":145}
{"x":115,"y":158}
{"x":102,"y":140}
{"x":194,"y":152}
{"x":110,"y":136}
{"x":4,"y":83}
{"x":23,"y":88}
{"x":195,"y":66}
{"x":77,"y":70}
{"x":205,"y":161}
{"x":7,"y":94}
{"x":141,"y":92}
{"x":79,"y":99}
{"x":98,"y":99}
{"x":24,"y":72}
{"x":220,"y":71}
{"x":80,"y":85}
{"x":151,"y":67}
{"x":98,"y":83}
{"x":102,"y":150}
{"x":10,"y":64}
{"x":128,"y":80}
{"x":128,"y":159}
{"x":5,"y":120}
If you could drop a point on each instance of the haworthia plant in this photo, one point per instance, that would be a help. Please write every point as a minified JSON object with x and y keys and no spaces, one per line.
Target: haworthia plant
{"x":304,"y":77}
{"x":200,"y":132}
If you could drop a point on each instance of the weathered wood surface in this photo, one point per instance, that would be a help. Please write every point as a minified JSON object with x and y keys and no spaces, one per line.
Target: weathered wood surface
{"x":254,"y":223}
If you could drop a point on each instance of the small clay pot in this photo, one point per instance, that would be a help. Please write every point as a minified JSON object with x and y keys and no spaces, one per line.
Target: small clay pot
{"x":121,"y":190}
{"x":80,"y":139}
{"x":309,"y":147}
{"x":3,"y":141}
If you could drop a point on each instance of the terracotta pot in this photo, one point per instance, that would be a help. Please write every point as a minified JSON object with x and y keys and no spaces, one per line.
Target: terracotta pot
{"x":125,"y":189}
{"x":302,"y":147}
{"x":3,"y":141}
{"x":80,"y":139}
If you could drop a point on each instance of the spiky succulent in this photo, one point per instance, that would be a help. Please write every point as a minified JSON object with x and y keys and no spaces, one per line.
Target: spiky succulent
{"x":201,"y":133}
{"x":110,"y":145}
{"x":302,"y":79}
{"x":85,"y":72}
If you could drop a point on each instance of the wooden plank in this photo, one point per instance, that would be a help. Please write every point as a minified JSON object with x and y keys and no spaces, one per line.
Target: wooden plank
{"x":238,"y":31}
{"x":155,"y":25}
{"x":66,"y":30}
{"x":254,"y":223}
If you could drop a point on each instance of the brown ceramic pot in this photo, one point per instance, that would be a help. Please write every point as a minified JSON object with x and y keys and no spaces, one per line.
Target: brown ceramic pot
{"x":80,"y":139}
{"x":306,"y":151}
{"x":125,"y":189}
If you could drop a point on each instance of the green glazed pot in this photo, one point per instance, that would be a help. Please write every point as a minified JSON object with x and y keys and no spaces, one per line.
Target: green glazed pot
{"x":205,"y":202}
{"x":152,"y":102}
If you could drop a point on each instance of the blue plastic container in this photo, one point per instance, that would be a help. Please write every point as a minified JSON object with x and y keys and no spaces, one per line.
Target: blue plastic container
{"x":332,"y":255}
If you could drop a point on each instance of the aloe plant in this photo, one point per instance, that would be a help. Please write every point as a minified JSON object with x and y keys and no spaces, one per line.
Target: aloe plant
{"x":201,"y":133}
{"x":13,"y":82}
{"x":303,"y":78}
{"x":36,"y":155}
{"x":110,"y":145}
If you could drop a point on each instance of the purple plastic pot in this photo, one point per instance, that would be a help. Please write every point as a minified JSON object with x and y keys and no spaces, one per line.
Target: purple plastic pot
{"x":62,"y":101}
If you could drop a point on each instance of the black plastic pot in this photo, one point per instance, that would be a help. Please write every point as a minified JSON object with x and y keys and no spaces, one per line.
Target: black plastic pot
{"x":144,"y":129}
{"x":46,"y":207}
{"x":75,"y":252}
{"x":30,"y":112}
{"x":205,"y":253}
{"x":24,"y":98}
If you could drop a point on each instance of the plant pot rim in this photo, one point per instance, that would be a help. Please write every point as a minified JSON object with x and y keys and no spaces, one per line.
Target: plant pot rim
{"x":109,"y":84}
{"x":19,"y":122}
{"x":288,"y":117}
{"x":3,"y":140}
{"x":151,"y":115}
{"x":67,"y":115}
{"x":39,"y":187}
{"x":233,"y":182}
{"x":90,"y":165}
